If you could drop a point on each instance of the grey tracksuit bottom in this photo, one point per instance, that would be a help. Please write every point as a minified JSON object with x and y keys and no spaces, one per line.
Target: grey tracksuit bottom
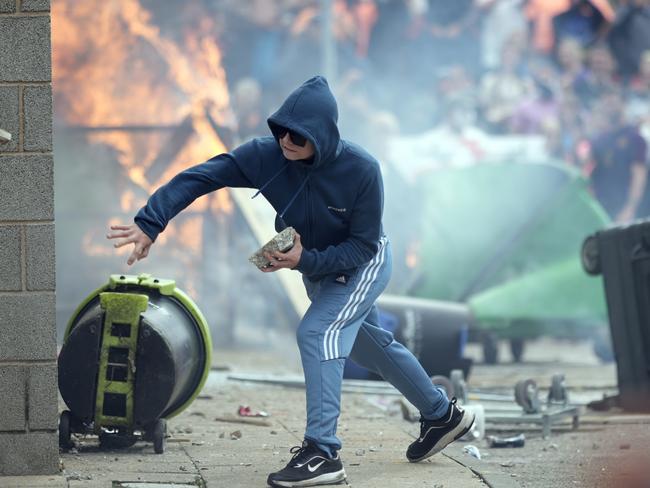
{"x":342,"y":321}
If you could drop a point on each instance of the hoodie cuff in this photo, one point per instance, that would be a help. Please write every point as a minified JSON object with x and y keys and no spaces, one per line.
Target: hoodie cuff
{"x":149,"y":230}
{"x":307,"y":262}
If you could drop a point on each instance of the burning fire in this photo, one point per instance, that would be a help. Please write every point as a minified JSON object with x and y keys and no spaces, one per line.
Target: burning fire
{"x":110,"y":75}
{"x":113,"y":68}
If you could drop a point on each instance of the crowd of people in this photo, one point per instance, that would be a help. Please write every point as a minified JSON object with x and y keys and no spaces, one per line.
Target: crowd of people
{"x":563,"y":80}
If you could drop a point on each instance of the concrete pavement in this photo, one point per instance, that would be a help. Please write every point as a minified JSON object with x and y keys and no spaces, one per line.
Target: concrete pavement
{"x":204,"y":450}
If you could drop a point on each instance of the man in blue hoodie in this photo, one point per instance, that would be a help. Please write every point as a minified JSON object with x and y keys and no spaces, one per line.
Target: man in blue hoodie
{"x":331,"y":192}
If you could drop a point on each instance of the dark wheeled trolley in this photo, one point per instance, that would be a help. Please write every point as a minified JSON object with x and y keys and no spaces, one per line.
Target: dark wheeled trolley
{"x":136,"y":352}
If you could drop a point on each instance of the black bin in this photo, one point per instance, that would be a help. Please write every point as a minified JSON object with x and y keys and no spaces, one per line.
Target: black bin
{"x":622,"y":255}
{"x":434,"y":331}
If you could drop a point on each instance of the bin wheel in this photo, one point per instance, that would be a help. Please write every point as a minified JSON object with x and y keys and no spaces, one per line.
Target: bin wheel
{"x":159,"y":436}
{"x":444,"y":383}
{"x":65,"y":423}
{"x":517,"y":346}
{"x":526,"y":395}
{"x":590,"y":256}
{"x":490,"y":348}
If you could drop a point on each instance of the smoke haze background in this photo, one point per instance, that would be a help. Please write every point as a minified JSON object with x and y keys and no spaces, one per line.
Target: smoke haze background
{"x":144,"y":89}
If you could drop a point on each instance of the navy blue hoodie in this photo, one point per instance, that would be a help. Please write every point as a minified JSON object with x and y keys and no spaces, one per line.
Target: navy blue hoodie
{"x":334,"y":200}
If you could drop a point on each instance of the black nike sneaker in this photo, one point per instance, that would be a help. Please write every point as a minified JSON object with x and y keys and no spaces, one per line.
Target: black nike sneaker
{"x":309,"y":466}
{"x":436,"y":434}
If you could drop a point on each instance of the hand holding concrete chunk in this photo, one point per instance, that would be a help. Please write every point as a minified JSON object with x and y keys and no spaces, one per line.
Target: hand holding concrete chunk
{"x":282,"y":242}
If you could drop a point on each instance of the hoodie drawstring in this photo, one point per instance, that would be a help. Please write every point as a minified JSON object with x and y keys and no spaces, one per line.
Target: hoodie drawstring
{"x":302,"y":185}
{"x":286,"y":165}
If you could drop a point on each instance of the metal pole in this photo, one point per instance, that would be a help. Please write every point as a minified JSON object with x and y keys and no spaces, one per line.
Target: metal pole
{"x":328,"y":42}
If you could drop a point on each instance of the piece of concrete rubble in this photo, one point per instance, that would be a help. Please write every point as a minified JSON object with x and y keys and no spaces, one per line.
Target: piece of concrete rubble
{"x":281,"y":242}
{"x":4,"y":136}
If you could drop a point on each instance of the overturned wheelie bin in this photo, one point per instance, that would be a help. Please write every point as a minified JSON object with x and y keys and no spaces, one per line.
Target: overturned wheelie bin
{"x":135,"y":353}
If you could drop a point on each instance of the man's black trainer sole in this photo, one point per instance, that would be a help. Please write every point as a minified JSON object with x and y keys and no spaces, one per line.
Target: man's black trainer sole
{"x":456,"y":433}
{"x":324,"y":479}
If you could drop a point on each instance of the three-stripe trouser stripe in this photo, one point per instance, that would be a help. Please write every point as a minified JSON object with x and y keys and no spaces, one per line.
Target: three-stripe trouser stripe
{"x":369,"y":275}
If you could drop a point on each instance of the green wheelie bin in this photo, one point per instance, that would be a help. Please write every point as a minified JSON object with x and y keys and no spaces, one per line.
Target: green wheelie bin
{"x":136,"y":352}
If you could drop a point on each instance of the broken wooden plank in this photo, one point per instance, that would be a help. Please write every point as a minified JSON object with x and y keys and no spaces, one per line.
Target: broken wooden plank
{"x":170,"y":150}
{"x":243,"y":420}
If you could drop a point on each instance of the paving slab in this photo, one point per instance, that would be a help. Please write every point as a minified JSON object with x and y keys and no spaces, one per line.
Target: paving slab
{"x":55,"y":481}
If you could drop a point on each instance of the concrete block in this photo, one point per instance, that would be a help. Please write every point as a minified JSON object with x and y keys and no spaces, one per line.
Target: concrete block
{"x":28,"y":327}
{"x":38,"y":118}
{"x":28,"y":41}
{"x":9,"y":118}
{"x":281,"y":242}
{"x":26,"y":187}
{"x":12,"y":392}
{"x":40,"y":257}
{"x":10,"y":262}
{"x":35,"y":6}
{"x":43,"y":397}
{"x":7,"y":6}
{"x":34,"y":453}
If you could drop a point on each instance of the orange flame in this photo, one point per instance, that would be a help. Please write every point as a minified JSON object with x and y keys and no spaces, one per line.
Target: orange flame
{"x":124,"y":72}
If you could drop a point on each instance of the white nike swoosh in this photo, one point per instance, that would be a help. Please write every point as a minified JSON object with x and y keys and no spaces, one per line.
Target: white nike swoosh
{"x":429,"y":430}
{"x":314,"y":468}
{"x":308,"y":461}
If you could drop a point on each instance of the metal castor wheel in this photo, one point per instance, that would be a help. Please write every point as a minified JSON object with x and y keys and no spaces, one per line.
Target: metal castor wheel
{"x":558,"y":392}
{"x":590,"y":256}
{"x":444,"y":383}
{"x":159,"y":436}
{"x":457,"y":378}
{"x":65,"y":430}
{"x":527,"y":395}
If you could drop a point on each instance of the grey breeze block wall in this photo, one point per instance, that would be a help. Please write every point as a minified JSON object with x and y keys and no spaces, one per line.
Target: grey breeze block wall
{"x":28,"y":381}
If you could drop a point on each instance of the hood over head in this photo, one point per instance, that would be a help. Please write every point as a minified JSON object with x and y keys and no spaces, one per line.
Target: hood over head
{"x":311,"y":111}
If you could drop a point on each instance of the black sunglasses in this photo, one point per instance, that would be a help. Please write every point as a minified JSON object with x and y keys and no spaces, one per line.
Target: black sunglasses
{"x":296,"y":138}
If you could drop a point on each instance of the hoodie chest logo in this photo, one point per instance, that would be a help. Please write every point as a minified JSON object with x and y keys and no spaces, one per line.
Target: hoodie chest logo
{"x":336,"y":209}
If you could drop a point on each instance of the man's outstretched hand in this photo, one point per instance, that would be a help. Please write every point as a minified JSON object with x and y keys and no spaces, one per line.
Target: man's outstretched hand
{"x":289,"y":259}
{"x":131,"y":234}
